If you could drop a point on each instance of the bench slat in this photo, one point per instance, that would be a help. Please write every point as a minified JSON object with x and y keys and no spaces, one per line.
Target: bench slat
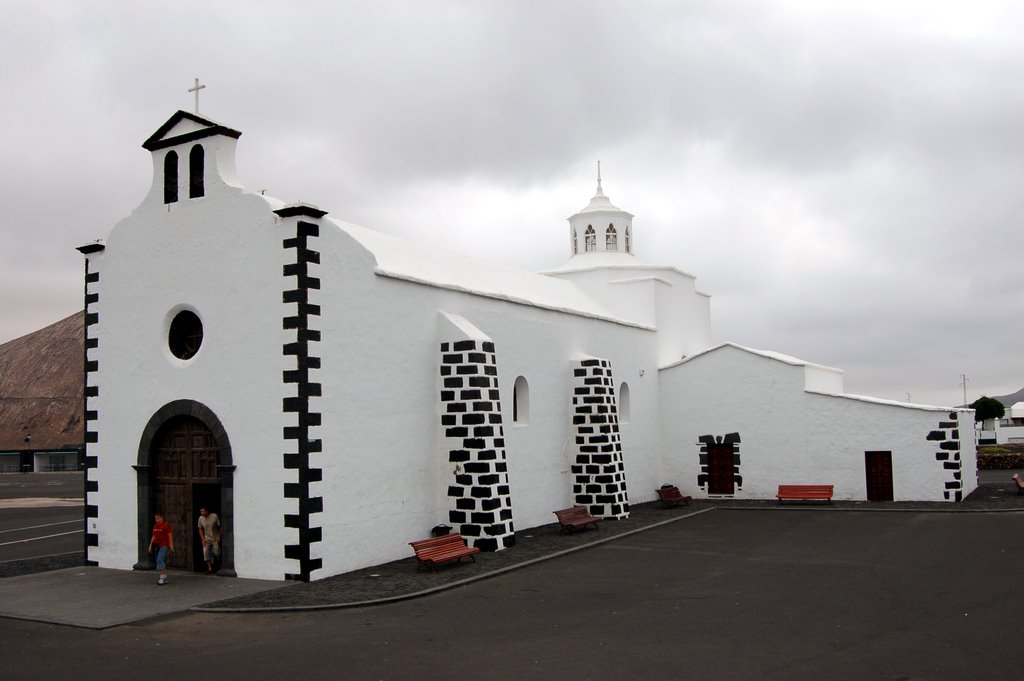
{"x":576,"y":517}
{"x":437,"y":550}
{"x":805,"y":492}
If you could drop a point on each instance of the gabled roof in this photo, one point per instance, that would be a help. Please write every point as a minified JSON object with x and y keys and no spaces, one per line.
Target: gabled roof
{"x":185,"y":127}
{"x":777,"y":356}
{"x":401,"y":259}
{"x":42,"y":381}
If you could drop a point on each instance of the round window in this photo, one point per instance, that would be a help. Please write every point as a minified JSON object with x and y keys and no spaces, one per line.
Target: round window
{"x":185,"y":335}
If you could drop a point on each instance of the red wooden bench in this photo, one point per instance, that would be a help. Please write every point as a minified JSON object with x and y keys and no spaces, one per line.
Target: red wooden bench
{"x":1020,"y":483}
{"x":805,"y":493}
{"x":575,"y":518}
{"x":438,"y":550}
{"x":671,"y":496}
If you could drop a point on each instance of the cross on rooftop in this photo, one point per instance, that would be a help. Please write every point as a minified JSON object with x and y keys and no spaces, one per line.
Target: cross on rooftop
{"x":196,"y":88}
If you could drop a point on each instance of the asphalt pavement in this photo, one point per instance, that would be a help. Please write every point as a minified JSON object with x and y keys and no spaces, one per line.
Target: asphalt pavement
{"x":741,"y":593}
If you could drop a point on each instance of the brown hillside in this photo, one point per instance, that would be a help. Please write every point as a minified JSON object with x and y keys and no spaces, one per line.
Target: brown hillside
{"x":41,"y":386}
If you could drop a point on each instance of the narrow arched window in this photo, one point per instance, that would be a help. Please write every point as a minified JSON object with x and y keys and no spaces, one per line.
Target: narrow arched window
{"x":575,"y":242}
{"x":171,"y":177}
{"x":590,"y":239}
{"x":611,"y":239}
{"x":521,"y":401}
{"x":196,"y":172}
{"x":624,"y":403}
{"x":629,"y":240}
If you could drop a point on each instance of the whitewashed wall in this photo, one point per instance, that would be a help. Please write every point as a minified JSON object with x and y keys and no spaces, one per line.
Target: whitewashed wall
{"x":790,"y":436}
{"x":384,"y":464}
{"x":221,"y":257}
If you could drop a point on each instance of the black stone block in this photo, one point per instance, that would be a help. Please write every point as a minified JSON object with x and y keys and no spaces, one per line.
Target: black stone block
{"x":486,"y":544}
{"x":458,"y":456}
{"x":456,"y":516}
{"x":480,"y":492}
{"x":490,"y":504}
{"x":448,"y":420}
{"x":474,"y":443}
{"x":456,"y":407}
{"x":941,"y":456}
{"x":486,"y":455}
{"x":455,"y":491}
{"x":465,"y":504}
{"x":476,"y":358}
{"x":467,"y":395}
{"x":463,"y":479}
{"x":480,"y":518}
{"x":453,"y":382}
{"x":950,"y":446}
{"x":460,"y":431}
{"x":489,"y":480}
{"x":470,"y":531}
{"x":473,"y":419}
{"x":464,"y":345}
{"x":467,"y":370}
{"x":477,"y":467}
{"x":936,"y":435}
{"x":480,"y":381}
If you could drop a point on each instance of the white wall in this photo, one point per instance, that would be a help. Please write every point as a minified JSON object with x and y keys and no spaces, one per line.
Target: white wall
{"x":790,"y":436}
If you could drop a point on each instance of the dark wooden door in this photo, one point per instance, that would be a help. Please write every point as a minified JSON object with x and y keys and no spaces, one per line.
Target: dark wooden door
{"x":878,"y":475}
{"x":721,"y":469}
{"x":185,"y":456}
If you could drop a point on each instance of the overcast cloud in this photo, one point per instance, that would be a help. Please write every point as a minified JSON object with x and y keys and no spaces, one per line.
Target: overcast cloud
{"x":845,"y":179}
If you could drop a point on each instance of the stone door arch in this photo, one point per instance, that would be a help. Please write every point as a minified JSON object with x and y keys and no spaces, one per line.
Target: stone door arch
{"x":184,"y":459}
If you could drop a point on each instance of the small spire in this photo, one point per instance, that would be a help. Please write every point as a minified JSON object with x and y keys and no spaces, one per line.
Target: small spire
{"x":599,"y":176}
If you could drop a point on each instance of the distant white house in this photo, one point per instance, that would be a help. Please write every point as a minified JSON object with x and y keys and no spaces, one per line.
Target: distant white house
{"x":334,"y":392}
{"x":1009,"y":429}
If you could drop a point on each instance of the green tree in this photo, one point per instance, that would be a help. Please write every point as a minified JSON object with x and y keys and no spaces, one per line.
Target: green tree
{"x":986,"y":408}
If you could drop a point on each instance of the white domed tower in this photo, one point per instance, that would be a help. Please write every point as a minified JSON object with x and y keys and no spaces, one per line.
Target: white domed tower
{"x":659,"y":296}
{"x":601,"y":227}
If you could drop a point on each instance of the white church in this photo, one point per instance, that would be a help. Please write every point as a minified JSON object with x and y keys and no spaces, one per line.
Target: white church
{"x":334,"y":392}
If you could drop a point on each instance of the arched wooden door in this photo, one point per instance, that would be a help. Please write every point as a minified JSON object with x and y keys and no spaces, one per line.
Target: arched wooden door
{"x":185,"y":469}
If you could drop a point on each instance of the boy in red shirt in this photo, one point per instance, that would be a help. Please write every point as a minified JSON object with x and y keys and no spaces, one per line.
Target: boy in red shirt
{"x":163,"y":540}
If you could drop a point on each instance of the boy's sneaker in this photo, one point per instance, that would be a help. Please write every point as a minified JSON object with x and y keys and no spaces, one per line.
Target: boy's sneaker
{"x":161,"y":581}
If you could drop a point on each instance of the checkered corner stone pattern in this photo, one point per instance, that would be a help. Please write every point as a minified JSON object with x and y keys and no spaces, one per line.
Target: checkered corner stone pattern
{"x":481,"y":505}
{"x":947,"y":438}
{"x":598,"y":474}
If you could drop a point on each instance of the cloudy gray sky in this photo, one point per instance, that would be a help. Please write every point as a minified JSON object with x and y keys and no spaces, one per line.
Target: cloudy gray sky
{"x":845,"y":179}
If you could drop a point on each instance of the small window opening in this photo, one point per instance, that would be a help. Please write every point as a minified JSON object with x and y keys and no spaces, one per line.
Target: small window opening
{"x":611,"y":239}
{"x":590,"y":239}
{"x":575,"y":243}
{"x":171,"y":177}
{"x":521,"y":401}
{"x":185,"y":335}
{"x":196,"y":172}
{"x":629,"y":239}
{"x":624,"y":406}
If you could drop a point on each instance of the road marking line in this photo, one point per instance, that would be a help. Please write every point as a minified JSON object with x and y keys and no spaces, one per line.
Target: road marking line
{"x":49,"y":536}
{"x":35,"y":527}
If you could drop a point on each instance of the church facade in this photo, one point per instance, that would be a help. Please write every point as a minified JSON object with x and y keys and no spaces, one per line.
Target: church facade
{"x":334,"y":392}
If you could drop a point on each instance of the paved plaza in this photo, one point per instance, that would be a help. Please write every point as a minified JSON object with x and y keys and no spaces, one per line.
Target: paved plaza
{"x":722,"y":594}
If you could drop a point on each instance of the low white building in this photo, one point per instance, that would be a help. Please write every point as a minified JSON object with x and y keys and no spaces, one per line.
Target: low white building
{"x":1007,"y":430}
{"x":335,"y":392}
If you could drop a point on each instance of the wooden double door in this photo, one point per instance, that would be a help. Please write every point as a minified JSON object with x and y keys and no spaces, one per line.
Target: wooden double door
{"x":185,"y":479}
